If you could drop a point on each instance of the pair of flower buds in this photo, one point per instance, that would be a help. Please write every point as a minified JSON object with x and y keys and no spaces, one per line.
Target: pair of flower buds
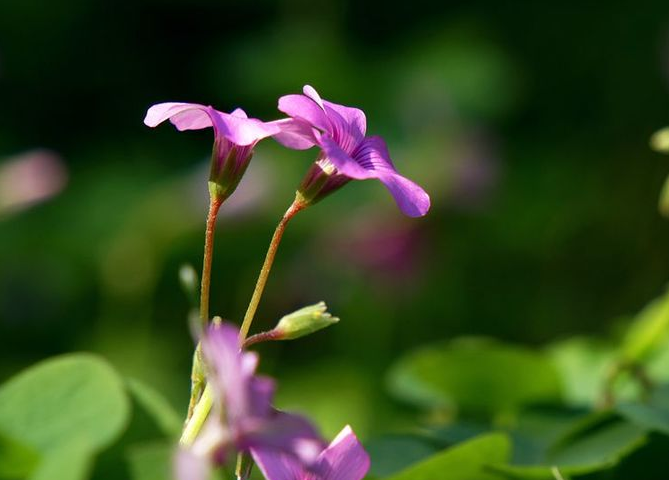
{"x":338,"y":131}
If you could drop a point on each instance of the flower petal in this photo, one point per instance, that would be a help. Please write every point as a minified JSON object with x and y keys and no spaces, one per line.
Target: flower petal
{"x":344,"y":163}
{"x":241,"y":130}
{"x":277,"y":466}
{"x":344,"y":458}
{"x":301,"y":106}
{"x":353,"y":118}
{"x":190,"y":466}
{"x":409,"y":196}
{"x":294,"y":133}
{"x":184,"y":116}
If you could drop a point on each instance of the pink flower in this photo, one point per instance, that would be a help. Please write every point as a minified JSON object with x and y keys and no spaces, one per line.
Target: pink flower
{"x":343,"y":459}
{"x":235,"y":135}
{"x":346,"y":153}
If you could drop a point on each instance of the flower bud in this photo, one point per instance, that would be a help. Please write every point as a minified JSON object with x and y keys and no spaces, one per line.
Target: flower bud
{"x":304,"y":321}
{"x":321,"y":180}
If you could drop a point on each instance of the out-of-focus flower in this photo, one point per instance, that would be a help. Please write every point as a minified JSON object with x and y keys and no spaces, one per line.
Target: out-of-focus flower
{"x":244,"y":417}
{"x":343,"y":459}
{"x":346,"y":153}
{"x":235,"y":135}
{"x":30,"y":178}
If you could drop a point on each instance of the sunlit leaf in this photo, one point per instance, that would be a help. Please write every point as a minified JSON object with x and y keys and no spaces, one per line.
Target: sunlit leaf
{"x":72,"y":397}
{"x":648,"y":331}
{"x":65,"y":461}
{"x":16,"y":460}
{"x":467,"y":461}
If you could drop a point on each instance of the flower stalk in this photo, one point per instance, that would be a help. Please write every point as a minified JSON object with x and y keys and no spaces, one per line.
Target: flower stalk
{"x":294,"y":208}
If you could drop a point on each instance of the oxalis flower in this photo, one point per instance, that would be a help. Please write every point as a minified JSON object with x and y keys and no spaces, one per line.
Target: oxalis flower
{"x":343,"y":459}
{"x":243,"y":417}
{"x":235,"y":135}
{"x":346,"y":154}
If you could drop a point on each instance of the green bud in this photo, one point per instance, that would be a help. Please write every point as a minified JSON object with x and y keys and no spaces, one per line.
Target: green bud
{"x":660,"y":140}
{"x":303,"y":322}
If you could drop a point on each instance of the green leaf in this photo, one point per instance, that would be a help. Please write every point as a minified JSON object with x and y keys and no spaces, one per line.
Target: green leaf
{"x":390,"y":454}
{"x":152,"y":461}
{"x":653,"y":414}
{"x":648,"y":331}
{"x":583,"y":364}
{"x":166,"y":418}
{"x":16,"y":459}
{"x":65,"y":461}
{"x":467,"y":461}
{"x":596,"y":442}
{"x":475,"y":375}
{"x":70,"y":398}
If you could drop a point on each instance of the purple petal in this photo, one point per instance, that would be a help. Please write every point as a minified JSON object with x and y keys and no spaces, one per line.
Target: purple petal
{"x":189,"y":466}
{"x":344,"y":163}
{"x":291,"y":434}
{"x":241,"y":130}
{"x":373,"y":155}
{"x":294,"y":133}
{"x":233,"y":370}
{"x":301,"y":106}
{"x":344,"y":458}
{"x":353,"y":118}
{"x":184,"y":116}
{"x":409,"y":196}
{"x":277,"y":466}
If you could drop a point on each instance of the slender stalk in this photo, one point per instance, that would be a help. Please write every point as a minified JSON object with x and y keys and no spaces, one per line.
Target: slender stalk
{"x":295,"y":207}
{"x":214,"y":206}
{"x":200,"y":413}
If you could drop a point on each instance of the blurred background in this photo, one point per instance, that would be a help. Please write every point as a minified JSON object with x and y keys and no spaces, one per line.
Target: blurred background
{"x":528,"y":123}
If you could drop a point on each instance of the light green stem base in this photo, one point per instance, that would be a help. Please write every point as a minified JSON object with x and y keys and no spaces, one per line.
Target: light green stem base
{"x":200,"y":413}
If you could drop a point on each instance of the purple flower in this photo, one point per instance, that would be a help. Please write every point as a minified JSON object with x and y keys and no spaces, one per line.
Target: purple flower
{"x":346,"y":153}
{"x":235,"y":135}
{"x":244,"y":417}
{"x":343,"y":459}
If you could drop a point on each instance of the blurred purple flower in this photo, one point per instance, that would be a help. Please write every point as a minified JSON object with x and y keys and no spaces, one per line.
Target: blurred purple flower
{"x":346,"y":153}
{"x":343,"y":459}
{"x":245,"y":418}
{"x":30,"y":178}
{"x":235,"y":135}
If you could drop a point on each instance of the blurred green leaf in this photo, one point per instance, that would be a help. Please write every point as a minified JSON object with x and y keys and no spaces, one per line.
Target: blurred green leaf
{"x":663,"y":202}
{"x":16,"y":459}
{"x":648,"y":331}
{"x":476,"y":375}
{"x":466,"y":461}
{"x":70,"y":460}
{"x":166,"y":418}
{"x":583,"y":364}
{"x":390,"y":454}
{"x":596,"y":442}
{"x":653,"y":414}
{"x":151,"y":461}
{"x":60,"y":400}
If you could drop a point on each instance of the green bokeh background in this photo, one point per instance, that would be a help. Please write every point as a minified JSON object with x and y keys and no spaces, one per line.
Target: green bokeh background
{"x":527,"y":122}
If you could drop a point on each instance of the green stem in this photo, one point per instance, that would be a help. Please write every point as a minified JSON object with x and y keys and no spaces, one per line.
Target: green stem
{"x":200,"y":414}
{"x":295,"y":207}
{"x":214,"y":206}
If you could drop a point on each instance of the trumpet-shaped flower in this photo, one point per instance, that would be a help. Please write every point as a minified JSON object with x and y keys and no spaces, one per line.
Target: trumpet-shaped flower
{"x":235,"y":135}
{"x":244,"y":417}
{"x":343,"y":459}
{"x":346,"y":153}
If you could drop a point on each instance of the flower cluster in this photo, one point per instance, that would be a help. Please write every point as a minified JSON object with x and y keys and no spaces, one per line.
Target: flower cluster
{"x":231,"y":409}
{"x":338,"y":131}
